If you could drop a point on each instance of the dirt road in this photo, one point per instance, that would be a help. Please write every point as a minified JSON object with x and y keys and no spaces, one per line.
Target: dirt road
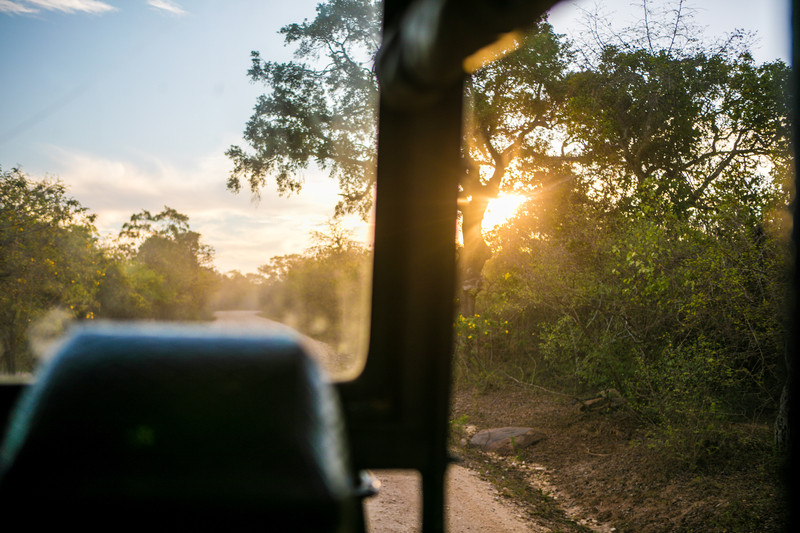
{"x":247,"y":319}
{"x":472,"y":505}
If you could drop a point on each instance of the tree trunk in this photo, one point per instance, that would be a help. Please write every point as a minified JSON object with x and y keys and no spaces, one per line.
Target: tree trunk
{"x":782,"y":429}
{"x":474,"y":200}
{"x":476,"y":252}
{"x":783,"y":437}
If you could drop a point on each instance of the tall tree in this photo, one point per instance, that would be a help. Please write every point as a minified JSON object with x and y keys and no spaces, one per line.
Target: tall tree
{"x":322,"y":108}
{"x":662,"y":120}
{"x":670,"y":132}
{"x":48,"y":258}
{"x":513,"y":107}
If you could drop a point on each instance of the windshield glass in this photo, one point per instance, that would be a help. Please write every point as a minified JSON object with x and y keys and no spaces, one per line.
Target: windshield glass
{"x":190,"y":161}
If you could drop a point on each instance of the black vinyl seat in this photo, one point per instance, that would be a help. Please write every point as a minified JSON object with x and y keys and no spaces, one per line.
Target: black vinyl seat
{"x":166,"y":426}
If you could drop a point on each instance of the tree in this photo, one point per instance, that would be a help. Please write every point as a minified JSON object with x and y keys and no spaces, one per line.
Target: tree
{"x":320,"y":109}
{"x":48,"y":258}
{"x":238,"y":291}
{"x":660,"y":122}
{"x":169,"y":270}
{"x":322,"y":292}
{"x":130,"y":289}
{"x":698,"y":134}
{"x":325,"y":112}
{"x":685,"y":318}
{"x":649,"y":120}
{"x":513,"y":107}
{"x":652,"y":260}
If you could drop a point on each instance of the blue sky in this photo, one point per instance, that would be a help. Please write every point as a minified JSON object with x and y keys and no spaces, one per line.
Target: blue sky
{"x":133,"y":103}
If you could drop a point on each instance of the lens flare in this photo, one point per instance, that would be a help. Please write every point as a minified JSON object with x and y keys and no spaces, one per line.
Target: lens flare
{"x":501,"y":209}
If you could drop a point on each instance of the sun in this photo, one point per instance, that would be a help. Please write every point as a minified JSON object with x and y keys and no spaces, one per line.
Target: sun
{"x":501,"y":209}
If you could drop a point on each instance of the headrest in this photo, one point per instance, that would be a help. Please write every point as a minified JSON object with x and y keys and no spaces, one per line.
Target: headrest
{"x":178,"y":417}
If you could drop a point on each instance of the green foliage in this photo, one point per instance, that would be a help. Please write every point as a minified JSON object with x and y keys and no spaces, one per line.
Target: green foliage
{"x":482,"y":347}
{"x":457,"y":428}
{"x":322,"y":293}
{"x":320,"y":110}
{"x":123,"y":293}
{"x":162,"y":270}
{"x":652,"y":255}
{"x":678,"y":131}
{"x":48,"y":259}
{"x":685,"y":319}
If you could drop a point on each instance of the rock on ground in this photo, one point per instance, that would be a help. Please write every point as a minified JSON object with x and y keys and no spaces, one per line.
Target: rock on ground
{"x":506,"y":439}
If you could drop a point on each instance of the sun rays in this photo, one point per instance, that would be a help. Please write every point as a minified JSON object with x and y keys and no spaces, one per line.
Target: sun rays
{"x":501,"y":209}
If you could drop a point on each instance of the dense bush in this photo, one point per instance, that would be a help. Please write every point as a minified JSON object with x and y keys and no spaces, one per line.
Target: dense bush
{"x":322,"y":293}
{"x":683,"y":315}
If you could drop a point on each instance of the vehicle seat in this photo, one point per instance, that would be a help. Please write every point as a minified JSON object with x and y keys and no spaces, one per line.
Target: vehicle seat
{"x":178,"y":427}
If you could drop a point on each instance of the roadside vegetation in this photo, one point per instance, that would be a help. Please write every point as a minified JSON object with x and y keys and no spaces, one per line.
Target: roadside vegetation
{"x":55,"y":269}
{"x":597,"y":470}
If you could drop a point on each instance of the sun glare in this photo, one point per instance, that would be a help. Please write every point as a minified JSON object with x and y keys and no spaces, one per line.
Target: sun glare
{"x":501,"y":209}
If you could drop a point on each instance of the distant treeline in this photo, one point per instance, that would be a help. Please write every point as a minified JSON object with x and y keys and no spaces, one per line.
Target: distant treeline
{"x":322,"y":292}
{"x":54,"y":267}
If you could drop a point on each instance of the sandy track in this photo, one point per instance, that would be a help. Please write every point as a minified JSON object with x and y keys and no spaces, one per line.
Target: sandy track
{"x":472,"y":505}
{"x":246,"y":319}
{"x":326,"y":356}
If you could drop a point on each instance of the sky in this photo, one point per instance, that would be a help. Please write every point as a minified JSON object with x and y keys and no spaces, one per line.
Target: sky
{"x":132,"y":104}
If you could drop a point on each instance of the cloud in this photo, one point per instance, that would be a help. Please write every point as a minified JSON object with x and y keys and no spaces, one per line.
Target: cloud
{"x":168,"y":6}
{"x":15,"y":8}
{"x":244,"y":234}
{"x":28,"y":7}
{"x":66,"y":6}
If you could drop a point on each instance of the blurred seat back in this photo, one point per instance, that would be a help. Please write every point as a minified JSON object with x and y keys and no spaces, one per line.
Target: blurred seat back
{"x":177,"y":426}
